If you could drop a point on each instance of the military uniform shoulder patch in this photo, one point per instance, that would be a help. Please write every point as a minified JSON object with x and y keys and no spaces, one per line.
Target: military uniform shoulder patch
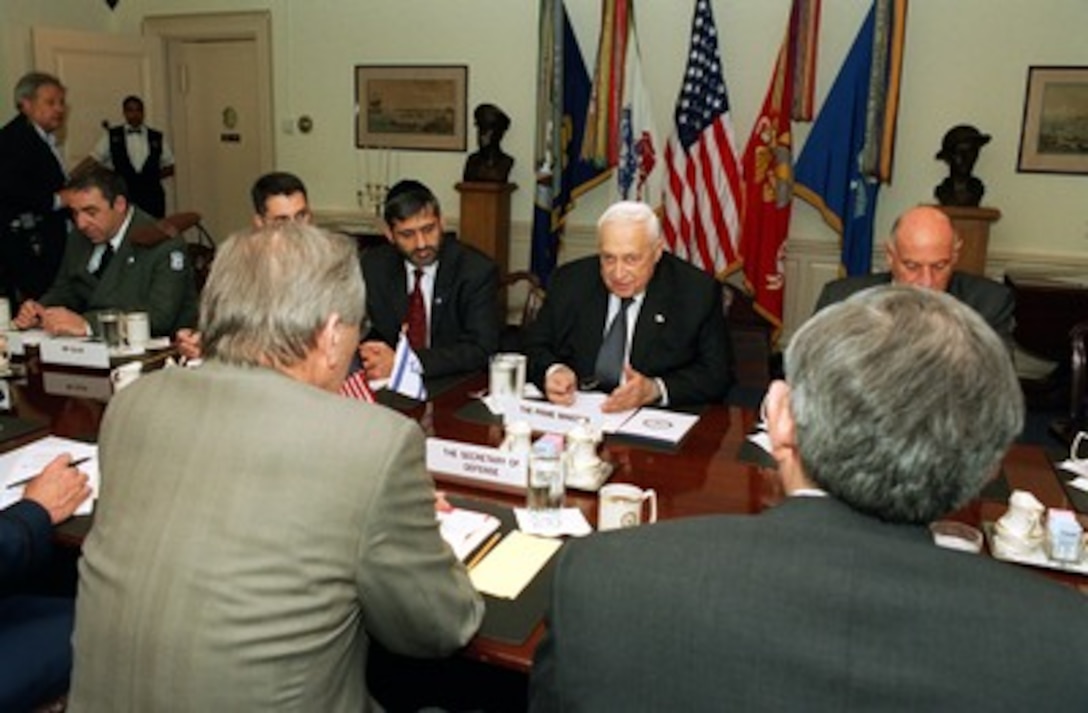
{"x":177,"y":260}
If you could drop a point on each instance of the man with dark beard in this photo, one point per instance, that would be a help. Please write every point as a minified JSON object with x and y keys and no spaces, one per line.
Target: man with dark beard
{"x":442,"y":292}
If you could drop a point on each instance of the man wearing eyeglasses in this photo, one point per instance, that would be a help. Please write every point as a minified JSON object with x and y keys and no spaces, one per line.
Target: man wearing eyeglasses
{"x":278,"y":197}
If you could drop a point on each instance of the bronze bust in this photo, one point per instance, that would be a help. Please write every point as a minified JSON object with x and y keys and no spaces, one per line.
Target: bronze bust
{"x":959,"y":149}
{"x":489,"y":164}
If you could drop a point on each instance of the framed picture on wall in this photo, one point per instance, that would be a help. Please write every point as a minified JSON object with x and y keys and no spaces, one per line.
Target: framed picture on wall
{"x":420,"y":107}
{"x":1054,"y":137}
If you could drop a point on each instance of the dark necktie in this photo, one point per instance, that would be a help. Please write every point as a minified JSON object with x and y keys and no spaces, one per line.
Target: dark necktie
{"x":610,"y":359}
{"x":417,"y":315}
{"x":104,"y":261}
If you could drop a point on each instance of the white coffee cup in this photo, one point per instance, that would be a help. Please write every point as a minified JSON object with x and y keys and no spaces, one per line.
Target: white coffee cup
{"x":5,"y":314}
{"x":620,"y":505}
{"x":137,"y":329}
{"x":125,"y":374}
{"x":1076,"y":453}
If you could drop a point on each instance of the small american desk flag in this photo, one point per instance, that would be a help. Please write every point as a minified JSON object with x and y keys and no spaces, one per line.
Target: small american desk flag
{"x":357,"y":387}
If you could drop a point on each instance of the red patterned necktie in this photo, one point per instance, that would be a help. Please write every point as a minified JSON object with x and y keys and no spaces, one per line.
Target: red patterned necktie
{"x":417,"y":315}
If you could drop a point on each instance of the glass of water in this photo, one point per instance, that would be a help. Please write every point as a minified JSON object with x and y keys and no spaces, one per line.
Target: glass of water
{"x":110,"y":328}
{"x":544,"y":496}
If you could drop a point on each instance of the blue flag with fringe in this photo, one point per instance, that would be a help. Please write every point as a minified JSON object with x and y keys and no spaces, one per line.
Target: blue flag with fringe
{"x":848,"y":152}
{"x":563,"y":90}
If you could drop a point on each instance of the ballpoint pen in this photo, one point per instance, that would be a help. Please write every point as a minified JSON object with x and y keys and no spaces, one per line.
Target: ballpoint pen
{"x":24,"y":481}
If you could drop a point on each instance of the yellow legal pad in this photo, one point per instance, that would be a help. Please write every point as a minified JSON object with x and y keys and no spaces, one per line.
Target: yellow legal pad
{"x":513,"y":563}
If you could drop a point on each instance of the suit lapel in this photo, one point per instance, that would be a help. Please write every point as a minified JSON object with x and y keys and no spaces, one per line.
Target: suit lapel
{"x":396,"y":286}
{"x":443,"y":284}
{"x":651,"y":318}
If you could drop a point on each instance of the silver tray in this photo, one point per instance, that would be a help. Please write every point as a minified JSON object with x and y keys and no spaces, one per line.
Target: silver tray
{"x":1035,"y":558}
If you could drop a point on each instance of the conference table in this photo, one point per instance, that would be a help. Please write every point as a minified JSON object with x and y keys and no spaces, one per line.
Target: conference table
{"x":713,"y":470}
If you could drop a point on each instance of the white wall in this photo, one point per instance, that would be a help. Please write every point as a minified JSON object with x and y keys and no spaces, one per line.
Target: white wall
{"x":965,"y":61}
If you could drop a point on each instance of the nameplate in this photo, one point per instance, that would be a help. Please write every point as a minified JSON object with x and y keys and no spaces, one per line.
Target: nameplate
{"x":550,"y":418}
{"x":75,"y":352}
{"x":79,"y":385}
{"x":479,"y":465}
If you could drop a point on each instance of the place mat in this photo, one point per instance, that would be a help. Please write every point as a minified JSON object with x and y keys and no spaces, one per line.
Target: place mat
{"x":435,"y":388}
{"x":476,"y":411}
{"x":754,"y":455}
{"x":1078,"y":499}
{"x":13,"y":428}
{"x":512,"y":620}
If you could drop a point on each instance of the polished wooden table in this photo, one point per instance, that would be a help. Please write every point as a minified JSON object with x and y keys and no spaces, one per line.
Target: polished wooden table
{"x":704,"y":476}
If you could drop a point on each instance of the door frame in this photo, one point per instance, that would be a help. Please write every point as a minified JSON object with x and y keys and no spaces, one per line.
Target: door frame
{"x":255,"y":26}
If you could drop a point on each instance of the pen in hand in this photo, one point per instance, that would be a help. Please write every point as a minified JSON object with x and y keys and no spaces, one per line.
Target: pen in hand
{"x":24,"y":481}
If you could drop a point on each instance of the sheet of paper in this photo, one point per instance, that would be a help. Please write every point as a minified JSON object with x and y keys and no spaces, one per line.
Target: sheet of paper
{"x":509,"y":568}
{"x":659,"y":425}
{"x":465,"y":530}
{"x":571,"y":522}
{"x":589,"y":402}
{"x":26,"y":462}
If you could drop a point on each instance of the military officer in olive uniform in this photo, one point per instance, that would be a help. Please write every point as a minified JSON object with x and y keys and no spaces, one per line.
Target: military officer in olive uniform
{"x":117,"y":259}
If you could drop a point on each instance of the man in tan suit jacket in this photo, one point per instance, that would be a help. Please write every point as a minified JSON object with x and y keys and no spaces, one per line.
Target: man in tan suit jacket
{"x":254,"y":529}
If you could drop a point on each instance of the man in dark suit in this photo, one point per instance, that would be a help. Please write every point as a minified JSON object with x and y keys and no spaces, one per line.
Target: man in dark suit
{"x":33,"y":214}
{"x":35,"y":630}
{"x":281,"y":528}
{"x":675,"y":348}
{"x":923,"y":250}
{"x":455,"y":326}
{"x":140,"y":154}
{"x":108,"y":265}
{"x":278,"y":197}
{"x":899,"y":408}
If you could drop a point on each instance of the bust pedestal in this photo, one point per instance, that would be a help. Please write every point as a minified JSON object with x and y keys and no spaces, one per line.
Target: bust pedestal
{"x":973,"y":226}
{"x":485,"y":218}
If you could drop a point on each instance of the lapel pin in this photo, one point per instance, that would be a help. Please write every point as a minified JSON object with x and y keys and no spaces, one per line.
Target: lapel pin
{"x":659,"y":318}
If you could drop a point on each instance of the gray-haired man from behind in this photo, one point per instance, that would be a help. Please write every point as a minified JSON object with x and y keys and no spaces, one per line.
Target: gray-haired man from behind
{"x":899,"y":407}
{"x":254,"y":529}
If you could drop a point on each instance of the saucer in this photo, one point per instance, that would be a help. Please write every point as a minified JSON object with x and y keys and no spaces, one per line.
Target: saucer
{"x":589,"y":479}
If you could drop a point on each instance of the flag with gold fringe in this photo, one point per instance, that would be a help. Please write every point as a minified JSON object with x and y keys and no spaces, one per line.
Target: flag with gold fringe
{"x":768,"y":167}
{"x":562,"y":175}
{"x":849,"y":151}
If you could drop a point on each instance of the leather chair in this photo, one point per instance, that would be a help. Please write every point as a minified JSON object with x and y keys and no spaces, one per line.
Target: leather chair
{"x":752,"y":337}
{"x":1077,"y":419}
{"x":519,"y":287}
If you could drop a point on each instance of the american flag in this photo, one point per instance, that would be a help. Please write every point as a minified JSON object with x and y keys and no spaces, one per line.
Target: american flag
{"x":703,"y":186}
{"x":357,"y":387}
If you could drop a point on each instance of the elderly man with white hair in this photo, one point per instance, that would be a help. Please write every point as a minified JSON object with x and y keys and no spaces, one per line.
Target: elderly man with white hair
{"x":634,"y":321}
